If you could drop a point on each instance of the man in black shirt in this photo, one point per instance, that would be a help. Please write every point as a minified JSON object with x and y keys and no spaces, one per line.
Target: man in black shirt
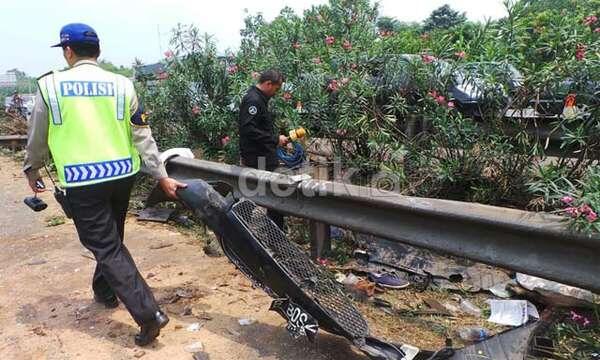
{"x":258,"y":139}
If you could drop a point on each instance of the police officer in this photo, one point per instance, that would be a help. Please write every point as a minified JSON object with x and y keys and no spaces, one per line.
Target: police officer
{"x":258,"y":139}
{"x":91,"y":122}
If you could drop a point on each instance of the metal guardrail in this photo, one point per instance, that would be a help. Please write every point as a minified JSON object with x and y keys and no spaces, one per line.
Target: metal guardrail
{"x":13,"y":141}
{"x":532,"y":243}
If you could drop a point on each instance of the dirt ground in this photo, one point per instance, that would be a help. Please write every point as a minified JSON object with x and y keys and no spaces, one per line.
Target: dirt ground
{"x":47,"y":312}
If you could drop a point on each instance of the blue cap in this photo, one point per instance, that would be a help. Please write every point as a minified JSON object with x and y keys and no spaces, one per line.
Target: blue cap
{"x":77,"y":34}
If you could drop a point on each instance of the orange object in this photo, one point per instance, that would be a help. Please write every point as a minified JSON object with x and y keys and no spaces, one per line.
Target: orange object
{"x":570,"y":100}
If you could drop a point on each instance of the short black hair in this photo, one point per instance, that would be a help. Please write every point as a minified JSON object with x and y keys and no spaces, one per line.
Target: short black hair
{"x":272,"y":75}
{"x":85,"y":50}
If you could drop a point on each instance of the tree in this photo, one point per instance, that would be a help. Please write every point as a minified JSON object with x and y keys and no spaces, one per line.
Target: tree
{"x":107,"y":65}
{"x":444,"y":17}
{"x":386,"y":23}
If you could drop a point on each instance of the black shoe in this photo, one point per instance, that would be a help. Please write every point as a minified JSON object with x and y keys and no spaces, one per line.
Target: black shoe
{"x":150,"y":331}
{"x":109,"y":303}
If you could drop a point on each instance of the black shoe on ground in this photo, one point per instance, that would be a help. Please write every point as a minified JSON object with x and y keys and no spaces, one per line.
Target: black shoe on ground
{"x":150,"y":331}
{"x":109,"y":303}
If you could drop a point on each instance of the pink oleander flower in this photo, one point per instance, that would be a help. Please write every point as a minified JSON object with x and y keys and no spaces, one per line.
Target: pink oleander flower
{"x":225,"y":140}
{"x":440,"y":100}
{"x":460,"y":54}
{"x":567,"y":200}
{"x":168,"y":54}
{"x":591,"y":216}
{"x":347,"y":45}
{"x":353,"y":66}
{"x":580,"y":319}
{"x":333,"y":86}
{"x":590,"y":20}
{"x":585,"y":209}
{"x":317,"y":61}
{"x":287,"y":96}
{"x":427,"y":59}
{"x":232,"y":69}
{"x":196,"y":110}
{"x":451,"y":104}
{"x":572,"y":211}
{"x":597,"y":30}
{"x":329,"y":40}
{"x":345,"y":81}
{"x":580,"y":52}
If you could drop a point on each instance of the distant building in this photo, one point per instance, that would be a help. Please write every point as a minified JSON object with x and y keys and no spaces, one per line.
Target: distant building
{"x":8,"y":80}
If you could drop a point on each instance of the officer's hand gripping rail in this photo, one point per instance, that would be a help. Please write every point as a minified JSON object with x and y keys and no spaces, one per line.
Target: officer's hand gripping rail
{"x":260,"y":250}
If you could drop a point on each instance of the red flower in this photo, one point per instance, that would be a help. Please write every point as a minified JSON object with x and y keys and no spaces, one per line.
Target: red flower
{"x":168,"y":54}
{"x":440,"y":100}
{"x":329,"y":40}
{"x":460,"y":54}
{"x":255,"y":75}
{"x":333,"y":86}
{"x":427,"y":59}
{"x":287,"y":96}
{"x":433,"y":93}
{"x":232,"y":69}
{"x":580,"y":52}
{"x":225,"y":140}
{"x":317,"y":61}
{"x":590,"y":20}
{"x":196,"y":110}
{"x":296,"y":45}
{"x":163,"y":75}
{"x":347,"y":45}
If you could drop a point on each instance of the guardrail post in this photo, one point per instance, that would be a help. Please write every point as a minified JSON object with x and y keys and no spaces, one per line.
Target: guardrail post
{"x":320,"y":241}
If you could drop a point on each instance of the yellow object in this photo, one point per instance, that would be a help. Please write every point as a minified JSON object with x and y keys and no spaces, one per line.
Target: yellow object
{"x":89,"y":132}
{"x":297,"y":134}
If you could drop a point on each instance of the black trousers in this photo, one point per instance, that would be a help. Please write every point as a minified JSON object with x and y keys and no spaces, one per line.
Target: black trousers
{"x":274,"y":215}
{"x":99,"y":213}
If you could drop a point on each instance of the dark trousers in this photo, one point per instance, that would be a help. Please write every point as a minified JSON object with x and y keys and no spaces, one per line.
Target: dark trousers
{"x":274,"y":215}
{"x":99,"y":213}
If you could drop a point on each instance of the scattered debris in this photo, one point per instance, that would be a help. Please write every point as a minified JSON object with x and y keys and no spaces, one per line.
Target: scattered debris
{"x":439,"y":308}
{"x":512,"y":312}
{"x":55,"y":220}
{"x":161,"y":245}
{"x":155,"y":214}
{"x":150,"y":275}
{"x":468,"y":307}
{"x":246,"y":321}
{"x":501,"y":289}
{"x":194,"y":327}
{"x":194,"y":347}
{"x":449,"y":272}
{"x":510,"y":345}
{"x":183,"y":220}
{"x":138,"y":353}
{"x":472,"y":334}
{"x":200,"y":356}
{"x":555,"y":293}
{"x":38,"y":331}
{"x":88,"y":255}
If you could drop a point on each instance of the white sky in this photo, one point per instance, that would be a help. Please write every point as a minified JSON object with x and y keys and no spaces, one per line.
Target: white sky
{"x":141,"y":28}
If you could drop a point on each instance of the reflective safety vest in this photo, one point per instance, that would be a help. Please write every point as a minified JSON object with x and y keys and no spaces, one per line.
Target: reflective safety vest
{"x":89,"y":132}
